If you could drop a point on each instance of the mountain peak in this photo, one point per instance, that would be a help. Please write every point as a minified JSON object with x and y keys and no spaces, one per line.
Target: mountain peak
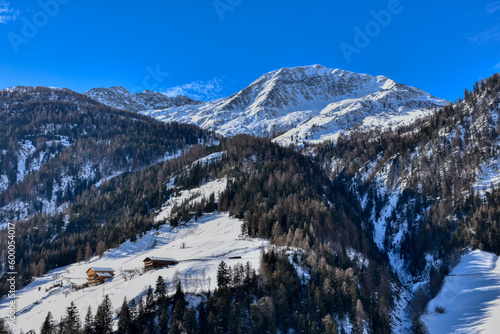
{"x":309,"y":104}
{"x":120,"y":90}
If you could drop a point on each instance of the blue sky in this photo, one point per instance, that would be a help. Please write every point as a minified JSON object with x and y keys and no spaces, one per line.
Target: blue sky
{"x":209,"y":48}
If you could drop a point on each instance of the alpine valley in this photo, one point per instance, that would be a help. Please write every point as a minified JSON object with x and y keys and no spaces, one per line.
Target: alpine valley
{"x":315,"y":200}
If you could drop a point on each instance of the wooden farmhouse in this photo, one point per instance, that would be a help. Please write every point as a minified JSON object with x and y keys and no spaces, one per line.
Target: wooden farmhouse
{"x":153,"y":262}
{"x":98,"y":275}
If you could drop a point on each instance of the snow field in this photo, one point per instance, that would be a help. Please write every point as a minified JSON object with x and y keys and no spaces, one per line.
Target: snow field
{"x":199,"y":246}
{"x":469,"y":301}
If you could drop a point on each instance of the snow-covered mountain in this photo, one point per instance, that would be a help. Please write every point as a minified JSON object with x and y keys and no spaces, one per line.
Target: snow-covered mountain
{"x":309,"y":103}
{"x":120,"y":98}
{"x":417,"y":185}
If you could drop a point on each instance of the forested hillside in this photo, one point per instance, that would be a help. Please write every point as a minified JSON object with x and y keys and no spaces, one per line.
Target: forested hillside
{"x":279,"y":193}
{"x":55,"y":144}
{"x":430,"y":189}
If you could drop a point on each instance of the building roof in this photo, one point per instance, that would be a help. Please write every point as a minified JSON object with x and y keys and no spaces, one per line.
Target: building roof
{"x":104,"y":275}
{"x":156,"y":258}
{"x":101,"y":269}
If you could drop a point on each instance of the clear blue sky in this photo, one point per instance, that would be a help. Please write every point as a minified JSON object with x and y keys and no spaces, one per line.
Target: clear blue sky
{"x":441,"y":46}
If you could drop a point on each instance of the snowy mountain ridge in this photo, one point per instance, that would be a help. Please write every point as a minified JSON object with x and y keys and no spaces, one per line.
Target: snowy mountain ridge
{"x":307,"y":104}
{"x":120,"y":98}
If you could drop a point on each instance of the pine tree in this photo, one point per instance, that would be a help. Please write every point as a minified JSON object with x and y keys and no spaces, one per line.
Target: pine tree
{"x":104,"y":317}
{"x":163,"y":323}
{"x":161,"y":289}
{"x":88,"y":327}
{"x":125,"y":322}
{"x":223,"y":277}
{"x":48,"y":326}
{"x":71,"y":323}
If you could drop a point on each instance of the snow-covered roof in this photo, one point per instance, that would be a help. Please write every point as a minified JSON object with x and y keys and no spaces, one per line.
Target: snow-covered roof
{"x":101,"y":269}
{"x":156,"y":258}
{"x":105,"y":275}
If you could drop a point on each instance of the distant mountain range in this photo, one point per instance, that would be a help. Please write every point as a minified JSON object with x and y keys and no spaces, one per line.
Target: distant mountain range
{"x":120,"y":98}
{"x":302,"y":104}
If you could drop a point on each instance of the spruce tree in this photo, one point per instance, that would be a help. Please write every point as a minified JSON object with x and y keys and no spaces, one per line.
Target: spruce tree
{"x":190,"y":322}
{"x":125,"y":322}
{"x":161,"y":289}
{"x":71,"y":323}
{"x":48,"y":326}
{"x":223,"y":277}
{"x":149,"y":310}
{"x":164,"y":321}
{"x":104,"y":317}
{"x":88,"y":327}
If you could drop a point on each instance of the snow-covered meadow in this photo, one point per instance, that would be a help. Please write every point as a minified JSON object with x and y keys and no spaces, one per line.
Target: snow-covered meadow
{"x":199,"y":246}
{"x":469,"y":301}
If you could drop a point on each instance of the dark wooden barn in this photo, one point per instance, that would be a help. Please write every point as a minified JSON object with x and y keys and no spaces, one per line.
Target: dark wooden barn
{"x":152,"y":262}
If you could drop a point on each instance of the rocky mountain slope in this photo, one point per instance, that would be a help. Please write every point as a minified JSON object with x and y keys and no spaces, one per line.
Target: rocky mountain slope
{"x":120,"y":98}
{"x":309,"y":104}
{"x":427,"y":189}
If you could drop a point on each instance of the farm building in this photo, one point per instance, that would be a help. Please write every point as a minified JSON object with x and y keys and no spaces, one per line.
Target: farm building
{"x":152,"y":262}
{"x":98,"y":275}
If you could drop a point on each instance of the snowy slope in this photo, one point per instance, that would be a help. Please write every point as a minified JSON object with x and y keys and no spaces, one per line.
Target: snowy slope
{"x":200,"y":247}
{"x":120,"y":98}
{"x":309,"y":103}
{"x":470,"y":297}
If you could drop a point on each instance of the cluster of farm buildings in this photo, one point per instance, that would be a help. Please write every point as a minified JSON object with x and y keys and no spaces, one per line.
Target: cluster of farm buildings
{"x":99,"y":275}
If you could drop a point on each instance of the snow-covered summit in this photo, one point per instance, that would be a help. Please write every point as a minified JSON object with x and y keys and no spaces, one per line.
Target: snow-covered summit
{"x":307,"y":103}
{"x":119,"y":97}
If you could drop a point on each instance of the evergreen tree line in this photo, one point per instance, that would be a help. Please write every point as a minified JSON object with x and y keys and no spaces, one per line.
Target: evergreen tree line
{"x":102,"y":141}
{"x":279,"y":194}
{"x":276,"y":300}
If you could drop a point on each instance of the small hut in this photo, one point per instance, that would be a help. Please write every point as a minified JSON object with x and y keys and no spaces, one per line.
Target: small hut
{"x":98,"y":275}
{"x":152,"y":262}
